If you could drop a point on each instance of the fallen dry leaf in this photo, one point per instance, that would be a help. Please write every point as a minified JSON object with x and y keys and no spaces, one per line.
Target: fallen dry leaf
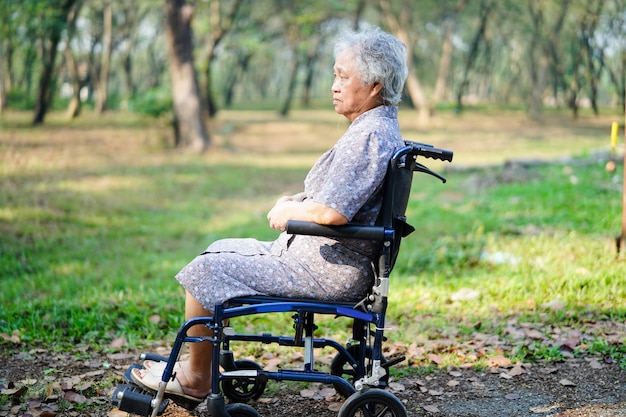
{"x":272,"y":364}
{"x":453,"y":383}
{"x":75,"y":397}
{"x":567,"y":383}
{"x":533,"y":334}
{"x":271,"y":400}
{"x":115,"y":412}
{"x":308,"y":393}
{"x":431,"y":408}
{"x":435,"y":358}
{"x":396,"y":387}
{"x":498,"y":361}
{"x":327,"y":392}
{"x":516,"y":371}
{"x":554,"y":305}
{"x":120,"y":356}
{"x":335,"y":406}
{"x":545,"y":409}
{"x":118,"y":343}
{"x":13,"y":338}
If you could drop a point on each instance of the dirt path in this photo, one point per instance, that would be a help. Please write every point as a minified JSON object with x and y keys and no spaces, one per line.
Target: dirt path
{"x":42,"y":383}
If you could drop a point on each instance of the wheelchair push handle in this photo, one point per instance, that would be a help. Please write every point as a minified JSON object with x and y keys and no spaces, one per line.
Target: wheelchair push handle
{"x":430,"y":151}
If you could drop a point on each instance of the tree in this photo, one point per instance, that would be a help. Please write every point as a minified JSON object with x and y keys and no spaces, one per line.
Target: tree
{"x":486,"y":7}
{"x":53,"y":23}
{"x":7,"y":49}
{"x":74,"y":106}
{"x":615,"y":41}
{"x":105,"y":60}
{"x":547,"y":25}
{"x":400,"y":22}
{"x":593,"y":63}
{"x":190,"y":130}
{"x":449,"y":19}
{"x":222,"y":19}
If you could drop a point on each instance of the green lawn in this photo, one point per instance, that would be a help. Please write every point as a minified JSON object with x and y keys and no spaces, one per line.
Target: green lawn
{"x":96,"y":217}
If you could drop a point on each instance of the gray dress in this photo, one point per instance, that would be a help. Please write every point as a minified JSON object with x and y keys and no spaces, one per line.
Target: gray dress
{"x":347,"y":178}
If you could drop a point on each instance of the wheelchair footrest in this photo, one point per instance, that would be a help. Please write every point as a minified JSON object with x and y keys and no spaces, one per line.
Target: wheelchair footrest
{"x":135,"y":400}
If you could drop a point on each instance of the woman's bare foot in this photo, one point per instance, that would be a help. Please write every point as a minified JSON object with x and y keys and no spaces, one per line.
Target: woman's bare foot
{"x":194,"y":384}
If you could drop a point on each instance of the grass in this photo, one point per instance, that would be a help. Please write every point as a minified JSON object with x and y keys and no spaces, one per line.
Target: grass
{"x":96,"y":217}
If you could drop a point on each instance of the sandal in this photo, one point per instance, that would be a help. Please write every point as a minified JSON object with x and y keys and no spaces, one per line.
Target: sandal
{"x":150,"y":382}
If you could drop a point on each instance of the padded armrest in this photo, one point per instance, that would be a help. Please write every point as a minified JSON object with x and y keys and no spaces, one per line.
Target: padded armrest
{"x":349,"y":231}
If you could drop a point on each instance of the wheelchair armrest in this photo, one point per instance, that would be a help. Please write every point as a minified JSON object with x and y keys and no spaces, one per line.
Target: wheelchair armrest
{"x":349,"y":231}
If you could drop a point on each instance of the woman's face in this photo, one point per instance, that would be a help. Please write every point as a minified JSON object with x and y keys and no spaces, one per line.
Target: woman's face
{"x":350,"y":96}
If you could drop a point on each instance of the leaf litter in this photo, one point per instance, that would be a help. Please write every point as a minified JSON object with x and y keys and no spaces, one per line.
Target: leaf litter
{"x":46,"y":383}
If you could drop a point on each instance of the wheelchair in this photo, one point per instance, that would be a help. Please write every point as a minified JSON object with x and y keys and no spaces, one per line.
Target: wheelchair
{"x":359,"y":371}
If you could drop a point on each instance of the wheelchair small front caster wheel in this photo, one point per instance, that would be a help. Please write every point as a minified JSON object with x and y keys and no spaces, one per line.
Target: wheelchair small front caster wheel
{"x":244,"y":389}
{"x":340,"y":366}
{"x":241,"y":410}
{"x":373,"y":402}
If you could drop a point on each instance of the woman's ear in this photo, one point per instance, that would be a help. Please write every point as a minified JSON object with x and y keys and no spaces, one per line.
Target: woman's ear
{"x":376,"y":88}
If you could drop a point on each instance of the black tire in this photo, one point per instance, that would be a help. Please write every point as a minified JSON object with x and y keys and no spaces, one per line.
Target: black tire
{"x":373,"y":402}
{"x":241,"y":410}
{"x":340,"y":366}
{"x":242,"y":390}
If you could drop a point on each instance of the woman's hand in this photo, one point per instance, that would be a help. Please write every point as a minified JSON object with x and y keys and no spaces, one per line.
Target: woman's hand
{"x":279,"y":214}
{"x":287,"y":209}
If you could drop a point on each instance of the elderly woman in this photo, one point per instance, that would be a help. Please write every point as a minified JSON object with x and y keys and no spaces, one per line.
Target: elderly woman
{"x":344,"y":185}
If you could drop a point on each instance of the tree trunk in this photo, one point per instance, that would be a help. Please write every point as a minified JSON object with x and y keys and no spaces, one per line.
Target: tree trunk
{"x":211,"y":105}
{"x":220,"y":25}
{"x":284,"y":111}
{"x":103,"y":78}
{"x":191,"y":130}
{"x":74,"y":106}
{"x":3,"y":96}
{"x":400,"y":28}
{"x":485,"y":11}
{"x":441,"y":85}
{"x":49,"y":58}
{"x":537,"y":65}
{"x":358,"y":13}
{"x":311,"y":60}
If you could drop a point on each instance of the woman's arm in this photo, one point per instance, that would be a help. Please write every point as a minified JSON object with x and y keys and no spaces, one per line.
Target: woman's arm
{"x":307,"y":210}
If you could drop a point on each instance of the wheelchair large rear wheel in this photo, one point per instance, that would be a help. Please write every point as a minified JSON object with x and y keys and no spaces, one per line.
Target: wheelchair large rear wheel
{"x":241,"y":410}
{"x":373,"y":402}
{"x":340,"y":366}
{"x":244,"y":389}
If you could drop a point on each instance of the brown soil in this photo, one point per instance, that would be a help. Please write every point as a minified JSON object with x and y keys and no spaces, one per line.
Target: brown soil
{"x":45,"y":383}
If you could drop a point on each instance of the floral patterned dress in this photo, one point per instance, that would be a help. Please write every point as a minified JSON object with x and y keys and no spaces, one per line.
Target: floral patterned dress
{"x":348,"y":178}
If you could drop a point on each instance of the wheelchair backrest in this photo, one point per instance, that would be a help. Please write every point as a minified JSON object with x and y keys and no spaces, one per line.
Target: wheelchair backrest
{"x":397,"y":190}
{"x":396,"y":193}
